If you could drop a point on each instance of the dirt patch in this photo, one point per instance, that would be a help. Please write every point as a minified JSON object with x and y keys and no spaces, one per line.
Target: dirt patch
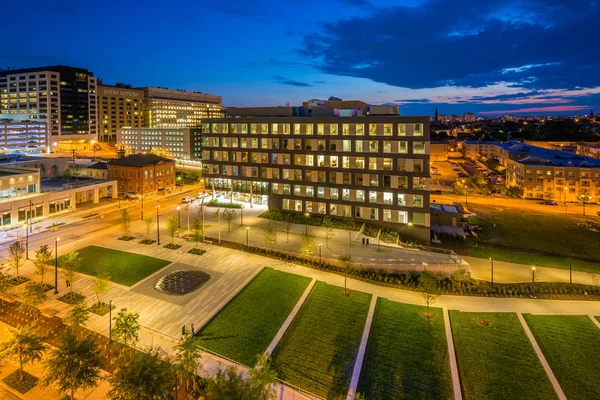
{"x":482,"y":322}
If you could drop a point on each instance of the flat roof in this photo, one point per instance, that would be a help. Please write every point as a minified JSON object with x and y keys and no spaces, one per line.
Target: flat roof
{"x":140,"y":160}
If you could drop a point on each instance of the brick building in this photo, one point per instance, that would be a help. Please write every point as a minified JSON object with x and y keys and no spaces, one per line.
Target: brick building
{"x":143,"y":173}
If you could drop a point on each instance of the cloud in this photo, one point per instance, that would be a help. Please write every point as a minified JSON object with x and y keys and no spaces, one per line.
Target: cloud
{"x":532,"y":44}
{"x":291,"y":82}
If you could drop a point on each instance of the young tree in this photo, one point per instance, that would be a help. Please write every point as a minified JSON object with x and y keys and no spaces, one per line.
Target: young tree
{"x":33,"y":296}
{"x":288,"y":228}
{"x":230,"y":384}
{"x":16,"y":255}
{"x":430,"y":290}
{"x":53,"y":171}
{"x":25,"y":346}
{"x":147,"y":377}
{"x":461,"y":279}
{"x":4,"y":283}
{"x":42,"y":257}
{"x":348,"y":264}
{"x":229,"y":215}
{"x":262,"y":379}
{"x":307,"y":245}
{"x":188,"y":356}
{"x":125,"y":223}
{"x":126,"y":328}
{"x":68,"y":173}
{"x":458,"y":187}
{"x":74,"y":364}
{"x":71,"y":263}
{"x":101,"y":281}
{"x":172,"y":223}
{"x":270,"y":235}
{"x":329,"y":230}
{"x":149,"y":224}
{"x":77,"y":316}
{"x":197,"y":232}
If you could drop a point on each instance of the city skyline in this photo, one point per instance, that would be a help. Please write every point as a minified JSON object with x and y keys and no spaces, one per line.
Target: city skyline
{"x":493,"y":59}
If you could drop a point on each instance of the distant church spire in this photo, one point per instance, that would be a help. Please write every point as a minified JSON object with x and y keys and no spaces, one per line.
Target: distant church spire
{"x":592,"y":113}
{"x":436,"y":113}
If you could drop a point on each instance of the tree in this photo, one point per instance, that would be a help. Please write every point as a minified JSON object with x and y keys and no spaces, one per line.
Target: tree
{"x":149,"y":224}
{"x":461,"y":280}
{"x":16,"y":255}
{"x":458,"y":187}
{"x":125,"y":223}
{"x":71,"y":263}
{"x":42,"y":257}
{"x":329,"y":231}
{"x":126,"y":327}
{"x":307,"y":245}
{"x":172,"y":223}
{"x":262,"y":379}
{"x":54,"y":171}
{"x":348,"y":264}
{"x":429,"y":290}
{"x":270,"y":235}
{"x":230,"y":384}
{"x":229,"y":215}
{"x":288,"y":228}
{"x":33,"y":295}
{"x":68,"y":174}
{"x":74,"y":365}
{"x":78,"y":316}
{"x":188,"y":355}
{"x":197,"y":232}
{"x":513,"y":192}
{"x":147,"y":377}
{"x":101,"y":281}
{"x":25,"y":346}
{"x":4,"y":283}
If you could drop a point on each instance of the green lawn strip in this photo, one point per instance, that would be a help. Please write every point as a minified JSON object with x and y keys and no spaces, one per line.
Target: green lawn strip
{"x":533,"y":259}
{"x":244,"y":328}
{"x":571,"y":345}
{"x":497,"y":361}
{"x":125,"y":268}
{"x":536,"y":232}
{"x":406,"y":358}
{"x":318,"y":351}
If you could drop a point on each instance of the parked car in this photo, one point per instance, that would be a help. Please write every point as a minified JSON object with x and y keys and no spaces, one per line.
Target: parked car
{"x":462,"y":175}
{"x":187,"y":199}
{"x":548,"y":203}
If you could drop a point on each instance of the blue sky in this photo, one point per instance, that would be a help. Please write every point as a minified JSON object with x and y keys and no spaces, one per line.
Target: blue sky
{"x":490,"y":57}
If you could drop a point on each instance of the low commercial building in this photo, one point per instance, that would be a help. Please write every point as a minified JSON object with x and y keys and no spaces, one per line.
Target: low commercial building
{"x":143,"y":173}
{"x":48,"y":167}
{"x":29,"y":136}
{"x":98,"y":170}
{"x":438,"y":151}
{"x":176,"y":143}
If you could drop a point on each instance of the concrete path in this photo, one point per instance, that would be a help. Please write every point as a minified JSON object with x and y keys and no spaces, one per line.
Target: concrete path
{"x":595,"y":321}
{"x":360,"y":357}
{"x":290,"y":318}
{"x":452,"y":356}
{"x":542,"y":358}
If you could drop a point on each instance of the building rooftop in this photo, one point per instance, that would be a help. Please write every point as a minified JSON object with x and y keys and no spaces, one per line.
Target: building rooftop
{"x":98,"y":165}
{"x":140,"y":160}
{"x":533,"y":155}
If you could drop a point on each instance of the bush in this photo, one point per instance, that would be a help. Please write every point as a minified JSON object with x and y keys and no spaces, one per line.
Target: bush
{"x":172,"y":246}
{"x":126,"y":238}
{"x":215,"y":203}
{"x":17,"y":280}
{"x":197,"y":252}
{"x":100,"y":309}
{"x":147,"y":241}
{"x":72,"y":298}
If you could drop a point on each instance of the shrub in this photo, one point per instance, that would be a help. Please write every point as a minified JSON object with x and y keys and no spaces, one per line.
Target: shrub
{"x":215,"y":203}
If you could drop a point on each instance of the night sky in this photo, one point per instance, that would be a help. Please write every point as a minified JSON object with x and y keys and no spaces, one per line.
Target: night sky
{"x":486,"y":56}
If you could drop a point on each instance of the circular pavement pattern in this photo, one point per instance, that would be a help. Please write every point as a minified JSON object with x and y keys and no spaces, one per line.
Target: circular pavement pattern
{"x":179,"y":283}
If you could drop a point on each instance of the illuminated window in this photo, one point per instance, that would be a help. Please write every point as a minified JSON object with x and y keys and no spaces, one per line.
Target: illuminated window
{"x":401,"y":129}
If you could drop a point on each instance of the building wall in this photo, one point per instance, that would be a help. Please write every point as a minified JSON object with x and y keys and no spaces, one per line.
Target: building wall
{"x":439,"y":151}
{"x":18,"y":182}
{"x":143,"y":179}
{"x":118,"y":107}
{"x":167,"y":142}
{"x":26,"y":136}
{"x":371,"y":169}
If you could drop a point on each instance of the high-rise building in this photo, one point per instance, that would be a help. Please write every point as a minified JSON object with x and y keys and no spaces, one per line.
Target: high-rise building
{"x":63,"y":96}
{"x":371,"y":169}
{"x":118,"y":106}
{"x":166,"y":108}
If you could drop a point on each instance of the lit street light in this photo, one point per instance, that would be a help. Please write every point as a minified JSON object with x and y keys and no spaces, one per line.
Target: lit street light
{"x":242,"y":215}
{"x":566,"y":188}
{"x":94,"y":148}
{"x":410,"y":231}
{"x":425,"y":267}
{"x":247,"y":230}
{"x":56,"y":265}
{"x":306,"y":215}
{"x":26,"y":241}
{"x":110,"y":303}
{"x":157,"y":226}
{"x":466,"y":193}
{"x":588,"y":199}
{"x":533,"y":279}
{"x":178,"y":217}
{"x":492,"y":262}
{"x":320,"y":255}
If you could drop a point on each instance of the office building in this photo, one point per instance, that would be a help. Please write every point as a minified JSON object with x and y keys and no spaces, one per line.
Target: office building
{"x":63,"y":96}
{"x":166,"y":108}
{"x":177,"y":143}
{"x":23,"y":136}
{"x":118,"y":106}
{"x":371,"y":169}
{"x":143,"y":173}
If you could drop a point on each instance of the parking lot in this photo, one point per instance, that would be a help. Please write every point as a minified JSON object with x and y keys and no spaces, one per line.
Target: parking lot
{"x":445,"y":173}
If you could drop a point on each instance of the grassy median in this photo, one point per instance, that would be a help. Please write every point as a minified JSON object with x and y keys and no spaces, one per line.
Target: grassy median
{"x":406,"y":357}
{"x":571,"y":345}
{"x":495,"y":358}
{"x":318,"y":351}
{"x":245,"y":327}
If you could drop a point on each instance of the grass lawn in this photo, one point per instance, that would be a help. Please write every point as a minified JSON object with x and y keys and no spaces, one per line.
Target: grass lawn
{"x":556,"y":235}
{"x":318,"y":351}
{"x":124,"y":267}
{"x":405,"y":358}
{"x":497,"y":361}
{"x":571,"y":344}
{"x":245,"y":327}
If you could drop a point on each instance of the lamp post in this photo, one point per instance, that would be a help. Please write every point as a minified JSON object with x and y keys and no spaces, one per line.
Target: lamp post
{"x":533,"y":279}
{"x":242,"y":215}
{"x":94,"y":147}
{"x":110,"y":303}
{"x":466,"y":193}
{"x":492,"y":265}
{"x":320,"y":255}
{"x":56,"y":265}
{"x":247,"y":230}
{"x":157,"y":226}
{"x":425,"y":267}
{"x":565,"y":192}
{"x":26,"y":240}
{"x":306,"y":215}
{"x":570,"y":271}
{"x":410,"y":231}
{"x":178,"y":217}
{"x":588,"y":199}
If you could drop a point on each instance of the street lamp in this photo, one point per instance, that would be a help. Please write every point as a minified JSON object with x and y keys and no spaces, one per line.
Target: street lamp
{"x":94,"y":147}
{"x":110,"y":303}
{"x":410,"y":231}
{"x":320,"y":255}
{"x":466,"y":193}
{"x":588,"y":198}
{"x":565,"y":192}
{"x":570,"y":271}
{"x":306,"y":215}
{"x":157,"y":226}
{"x":178,"y":217}
{"x":247,"y":230}
{"x":242,"y":215}
{"x":492,"y":263}
{"x":533,"y":279}
{"x":26,"y":241}
{"x":56,"y":265}
{"x":425,"y":267}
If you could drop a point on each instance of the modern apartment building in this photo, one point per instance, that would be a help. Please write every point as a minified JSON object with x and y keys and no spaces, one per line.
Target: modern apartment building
{"x":23,"y":136}
{"x":118,"y":106}
{"x":166,"y":108}
{"x":177,"y":143}
{"x":371,"y":169}
{"x":142,"y":173}
{"x":63,"y":96}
